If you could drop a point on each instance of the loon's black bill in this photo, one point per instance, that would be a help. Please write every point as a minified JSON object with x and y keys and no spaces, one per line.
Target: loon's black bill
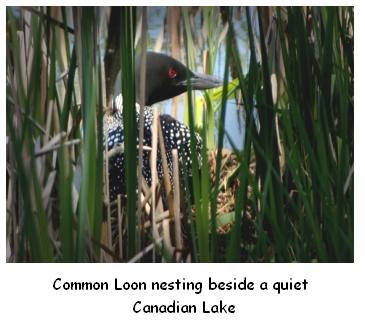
{"x":200,"y":81}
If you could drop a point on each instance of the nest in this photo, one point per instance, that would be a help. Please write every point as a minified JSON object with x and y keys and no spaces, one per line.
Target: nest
{"x":173,"y":231}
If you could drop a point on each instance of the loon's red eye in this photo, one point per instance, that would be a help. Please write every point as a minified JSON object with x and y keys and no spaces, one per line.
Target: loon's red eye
{"x":172,"y":73}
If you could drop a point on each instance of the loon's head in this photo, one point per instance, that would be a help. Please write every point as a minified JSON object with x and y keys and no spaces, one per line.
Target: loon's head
{"x":167,"y":78}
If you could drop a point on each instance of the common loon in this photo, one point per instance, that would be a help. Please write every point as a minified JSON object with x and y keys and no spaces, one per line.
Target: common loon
{"x":165,"y":78}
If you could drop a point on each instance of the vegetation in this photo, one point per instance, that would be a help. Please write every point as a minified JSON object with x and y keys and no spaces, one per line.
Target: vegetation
{"x":287,"y":196}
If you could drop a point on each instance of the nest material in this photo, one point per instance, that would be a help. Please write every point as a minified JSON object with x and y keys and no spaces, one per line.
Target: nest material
{"x":226,"y":203}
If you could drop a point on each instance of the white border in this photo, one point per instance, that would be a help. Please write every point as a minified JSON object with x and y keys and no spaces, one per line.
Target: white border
{"x":335,"y":292}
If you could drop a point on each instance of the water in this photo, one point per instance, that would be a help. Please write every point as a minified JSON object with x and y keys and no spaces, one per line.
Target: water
{"x":234,"y":124}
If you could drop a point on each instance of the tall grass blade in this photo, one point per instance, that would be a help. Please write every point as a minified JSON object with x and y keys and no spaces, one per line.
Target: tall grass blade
{"x":128,"y":23}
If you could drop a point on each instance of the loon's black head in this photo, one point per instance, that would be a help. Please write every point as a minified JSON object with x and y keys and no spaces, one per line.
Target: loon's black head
{"x":167,"y":78}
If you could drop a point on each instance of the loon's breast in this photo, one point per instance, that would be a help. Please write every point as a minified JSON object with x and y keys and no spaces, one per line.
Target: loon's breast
{"x":176,"y":136}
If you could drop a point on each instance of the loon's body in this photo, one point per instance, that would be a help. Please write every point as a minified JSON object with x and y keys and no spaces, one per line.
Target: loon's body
{"x":165,"y":78}
{"x":176,"y":136}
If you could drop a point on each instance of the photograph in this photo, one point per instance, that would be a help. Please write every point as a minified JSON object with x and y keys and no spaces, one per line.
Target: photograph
{"x":179,"y":134}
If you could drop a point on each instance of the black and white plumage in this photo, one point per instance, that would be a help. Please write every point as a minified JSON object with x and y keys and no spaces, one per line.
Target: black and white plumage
{"x":176,"y":136}
{"x":165,"y":78}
